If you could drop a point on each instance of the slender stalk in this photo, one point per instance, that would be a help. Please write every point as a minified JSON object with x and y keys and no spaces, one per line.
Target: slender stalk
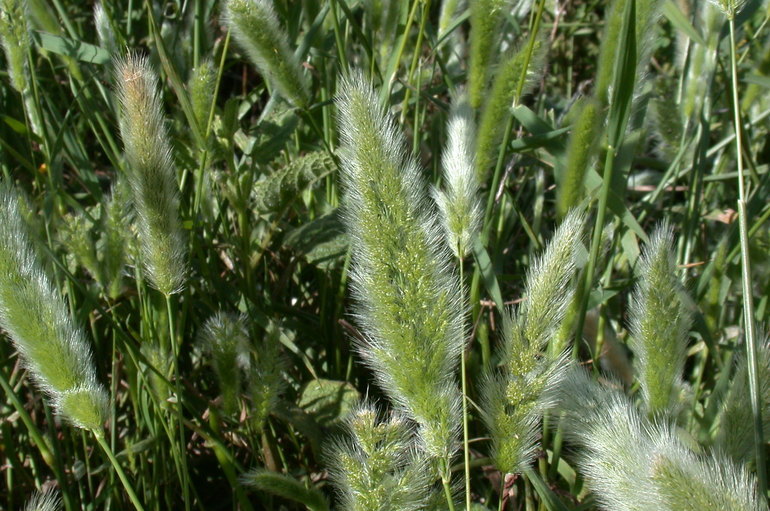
{"x":448,"y":493}
{"x":463,"y":379}
{"x":121,"y":474}
{"x":178,"y":404}
{"x":748,"y":299}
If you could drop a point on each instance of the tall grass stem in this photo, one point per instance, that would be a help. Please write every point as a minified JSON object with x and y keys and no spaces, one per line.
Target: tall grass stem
{"x":748,"y":300}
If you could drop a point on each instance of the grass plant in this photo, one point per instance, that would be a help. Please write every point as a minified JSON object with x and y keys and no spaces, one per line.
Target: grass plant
{"x":273,"y":254}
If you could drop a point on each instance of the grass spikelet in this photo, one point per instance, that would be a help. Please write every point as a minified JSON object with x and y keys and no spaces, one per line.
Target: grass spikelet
{"x":37,"y":320}
{"x":686,"y":481}
{"x":517,"y":72}
{"x":255,"y":27}
{"x":460,"y":208}
{"x":14,"y":34}
{"x":448,"y":11}
{"x":225,"y":339}
{"x":377,"y":466}
{"x":44,"y":501}
{"x":104,"y":30}
{"x":581,"y":150}
{"x":514,"y":399}
{"x":113,"y":244}
{"x":659,"y":324}
{"x":486,"y":16}
{"x":265,"y":378}
{"x":151,"y":175}
{"x":407,"y":296}
{"x":735,"y":434}
{"x":608,"y":52}
{"x":632,"y":464}
{"x":201,"y":86}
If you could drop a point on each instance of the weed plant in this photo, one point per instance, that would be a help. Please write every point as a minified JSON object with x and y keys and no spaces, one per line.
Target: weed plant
{"x":384,"y":255}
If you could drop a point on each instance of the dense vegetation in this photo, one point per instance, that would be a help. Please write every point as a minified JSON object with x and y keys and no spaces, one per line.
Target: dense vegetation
{"x":384,"y":255}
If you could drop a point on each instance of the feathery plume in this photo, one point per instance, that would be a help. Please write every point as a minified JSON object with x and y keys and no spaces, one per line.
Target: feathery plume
{"x":151,"y":175}
{"x":377,"y":466}
{"x":201,"y":86}
{"x":265,"y":378}
{"x":225,"y":339}
{"x":37,"y":320}
{"x":255,"y":27}
{"x":407,"y":295}
{"x":460,"y":208}
{"x":515,"y":76}
{"x":14,"y":34}
{"x":632,"y":464}
{"x":514,"y":399}
{"x":659,"y":324}
{"x":104,"y":30}
{"x":44,"y":501}
{"x":735,"y":433}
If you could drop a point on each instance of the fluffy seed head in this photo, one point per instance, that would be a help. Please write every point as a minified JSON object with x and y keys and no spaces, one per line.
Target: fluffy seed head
{"x":14,"y":35}
{"x":459,"y":204}
{"x":659,"y":325}
{"x":44,"y":501}
{"x":376,"y":466}
{"x":38,"y":321}
{"x":225,"y":339}
{"x":515,"y":398}
{"x":151,"y":175}
{"x":407,"y":296}
{"x":256,"y":29}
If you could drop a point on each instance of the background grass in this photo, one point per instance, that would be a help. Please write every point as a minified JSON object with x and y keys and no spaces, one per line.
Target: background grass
{"x":259,"y":196}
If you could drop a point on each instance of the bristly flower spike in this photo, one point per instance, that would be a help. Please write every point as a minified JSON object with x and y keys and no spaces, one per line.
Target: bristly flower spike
{"x":151,"y":175}
{"x":659,"y":326}
{"x":255,"y":27}
{"x":459,"y":204}
{"x":38,"y":322}
{"x":407,"y":296}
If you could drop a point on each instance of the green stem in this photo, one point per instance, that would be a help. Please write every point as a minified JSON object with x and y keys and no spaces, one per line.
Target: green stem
{"x":748,"y":305}
{"x":463,"y":379}
{"x":178,"y":404}
{"x":448,"y":493}
{"x":122,"y":475}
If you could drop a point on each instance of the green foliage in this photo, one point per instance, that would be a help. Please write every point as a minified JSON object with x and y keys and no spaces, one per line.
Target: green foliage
{"x":286,"y":487}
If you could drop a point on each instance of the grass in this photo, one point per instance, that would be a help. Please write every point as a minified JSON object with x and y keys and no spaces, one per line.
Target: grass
{"x":348,"y":254}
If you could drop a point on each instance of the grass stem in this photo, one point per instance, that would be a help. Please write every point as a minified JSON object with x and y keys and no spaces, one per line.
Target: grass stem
{"x":748,"y":300}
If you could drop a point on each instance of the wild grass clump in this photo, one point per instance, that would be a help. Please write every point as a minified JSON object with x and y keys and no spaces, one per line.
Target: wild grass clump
{"x":36,"y":318}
